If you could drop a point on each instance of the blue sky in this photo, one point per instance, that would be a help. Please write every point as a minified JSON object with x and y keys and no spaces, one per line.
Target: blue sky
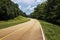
{"x":28,"y":6}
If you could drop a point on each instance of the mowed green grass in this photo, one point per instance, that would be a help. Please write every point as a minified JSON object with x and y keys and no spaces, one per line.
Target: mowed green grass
{"x":52,"y":32}
{"x":15,"y":21}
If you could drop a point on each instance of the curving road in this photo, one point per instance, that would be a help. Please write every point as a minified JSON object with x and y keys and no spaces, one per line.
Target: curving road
{"x":26,"y":31}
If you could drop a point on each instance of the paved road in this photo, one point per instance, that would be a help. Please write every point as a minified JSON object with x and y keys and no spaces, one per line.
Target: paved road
{"x":26,"y":31}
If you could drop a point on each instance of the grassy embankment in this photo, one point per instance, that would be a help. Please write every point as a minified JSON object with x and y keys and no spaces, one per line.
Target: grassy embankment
{"x":52,"y":32}
{"x":15,"y":21}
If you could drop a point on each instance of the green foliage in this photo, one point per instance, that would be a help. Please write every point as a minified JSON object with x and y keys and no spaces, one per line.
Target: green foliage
{"x":40,"y":11}
{"x":52,"y":32}
{"x":9,"y":10}
{"x":12,"y":22}
{"x":49,"y":11}
{"x":53,"y":9}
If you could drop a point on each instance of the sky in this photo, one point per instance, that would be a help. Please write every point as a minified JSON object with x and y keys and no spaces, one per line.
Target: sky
{"x":28,"y":6}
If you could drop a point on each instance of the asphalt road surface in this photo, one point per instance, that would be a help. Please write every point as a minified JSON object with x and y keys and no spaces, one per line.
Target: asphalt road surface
{"x":26,"y":31}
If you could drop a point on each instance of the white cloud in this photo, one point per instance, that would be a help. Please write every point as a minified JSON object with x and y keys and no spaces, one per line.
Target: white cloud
{"x":32,"y":8}
{"x":15,"y":1}
{"x":20,"y":6}
{"x":24,"y":1}
{"x":27,"y":1}
{"x":40,"y":1}
{"x":27,"y":6}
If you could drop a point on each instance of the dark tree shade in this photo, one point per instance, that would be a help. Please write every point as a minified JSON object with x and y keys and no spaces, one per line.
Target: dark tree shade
{"x":9,"y":10}
{"x":49,"y":11}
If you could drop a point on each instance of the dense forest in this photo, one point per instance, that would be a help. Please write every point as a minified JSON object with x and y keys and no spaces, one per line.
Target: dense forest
{"x":48,"y":11}
{"x":9,"y":10}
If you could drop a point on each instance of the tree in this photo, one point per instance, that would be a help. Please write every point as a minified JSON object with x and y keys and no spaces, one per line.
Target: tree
{"x":48,"y":11}
{"x":9,"y":10}
{"x":40,"y":11}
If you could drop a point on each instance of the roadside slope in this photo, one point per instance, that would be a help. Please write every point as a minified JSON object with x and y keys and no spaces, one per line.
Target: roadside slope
{"x":11,"y":22}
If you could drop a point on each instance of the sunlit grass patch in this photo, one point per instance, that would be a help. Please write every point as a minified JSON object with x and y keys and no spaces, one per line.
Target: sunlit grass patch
{"x":52,"y":31}
{"x":15,"y":21}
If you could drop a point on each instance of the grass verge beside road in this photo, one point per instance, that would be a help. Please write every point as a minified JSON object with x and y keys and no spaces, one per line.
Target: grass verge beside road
{"x":15,"y":21}
{"x":52,"y":32}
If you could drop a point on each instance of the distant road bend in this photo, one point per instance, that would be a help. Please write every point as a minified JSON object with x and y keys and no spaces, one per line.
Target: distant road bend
{"x":26,"y":31}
